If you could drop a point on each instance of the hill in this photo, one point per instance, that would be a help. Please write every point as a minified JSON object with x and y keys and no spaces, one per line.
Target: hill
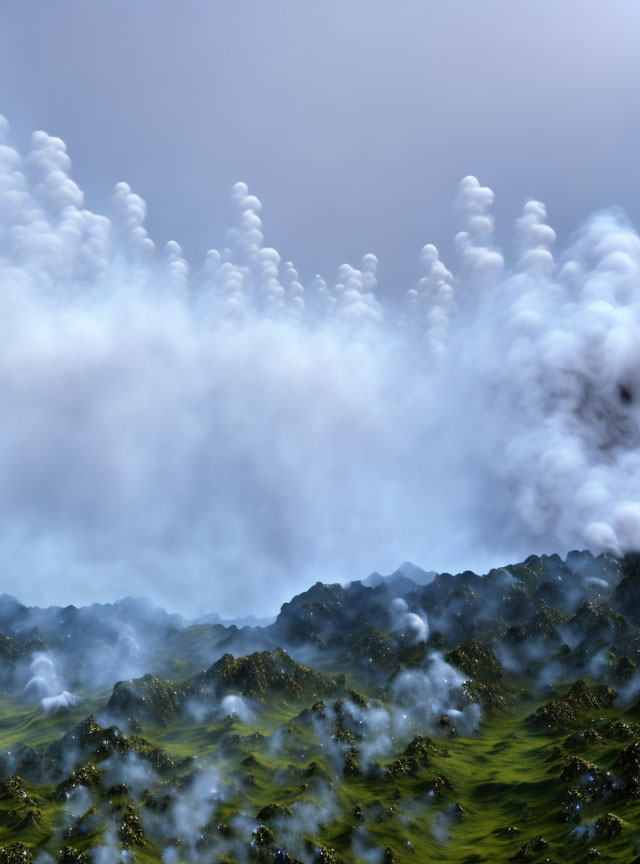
{"x":460,"y":718}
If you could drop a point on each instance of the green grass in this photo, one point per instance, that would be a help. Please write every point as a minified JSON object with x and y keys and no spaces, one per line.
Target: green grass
{"x":506,"y":775}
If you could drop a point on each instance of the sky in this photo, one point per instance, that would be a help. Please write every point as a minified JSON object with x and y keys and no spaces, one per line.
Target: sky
{"x":353,"y":122}
{"x":217,"y":437}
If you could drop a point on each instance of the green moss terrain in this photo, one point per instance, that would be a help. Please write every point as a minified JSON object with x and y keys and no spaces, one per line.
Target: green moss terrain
{"x":467,"y":719}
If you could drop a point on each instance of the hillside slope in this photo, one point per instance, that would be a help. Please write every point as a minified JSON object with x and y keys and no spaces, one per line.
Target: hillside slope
{"x":470,"y":719}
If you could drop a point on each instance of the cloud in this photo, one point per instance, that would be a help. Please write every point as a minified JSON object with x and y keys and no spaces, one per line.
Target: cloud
{"x":218,"y":436}
{"x":62,"y":702}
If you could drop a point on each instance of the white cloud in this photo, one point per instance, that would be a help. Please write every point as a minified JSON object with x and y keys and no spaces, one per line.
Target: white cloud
{"x":234,"y":430}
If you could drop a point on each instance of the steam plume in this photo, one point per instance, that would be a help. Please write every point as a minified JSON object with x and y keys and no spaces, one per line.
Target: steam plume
{"x":229,"y":426}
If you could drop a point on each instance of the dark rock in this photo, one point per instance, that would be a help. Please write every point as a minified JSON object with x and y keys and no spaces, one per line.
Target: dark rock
{"x":325,"y":855}
{"x":70,"y":855}
{"x":446,"y":724}
{"x":13,"y":789}
{"x":15,"y":853}
{"x":627,"y":593}
{"x":130,"y":831}
{"x":263,"y":837}
{"x":620,"y":730}
{"x":579,"y":700}
{"x":490,"y":696}
{"x":272,"y":811}
{"x":86,"y":738}
{"x":88,"y":775}
{"x":264,"y":674}
{"x":598,"y":620}
{"x":542,"y":625}
{"x":584,"y":740}
{"x":148,"y":699}
{"x":440,"y":784}
{"x":421,"y":748}
{"x":628,"y":762}
{"x":351,"y":766}
{"x":577,"y":767}
{"x":477,"y":661}
{"x":7,"y":649}
{"x":342,"y":719}
{"x":530,"y":850}
{"x":375,"y":647}
{"x":607,"y":827}
{"x":625,"y":667}
{"x":417,"y":754}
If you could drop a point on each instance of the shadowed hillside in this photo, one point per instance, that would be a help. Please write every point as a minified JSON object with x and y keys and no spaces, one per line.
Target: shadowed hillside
{"x":461,"y":718}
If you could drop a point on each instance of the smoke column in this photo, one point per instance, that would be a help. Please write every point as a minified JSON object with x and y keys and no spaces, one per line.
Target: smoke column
{"x":217,"y":436}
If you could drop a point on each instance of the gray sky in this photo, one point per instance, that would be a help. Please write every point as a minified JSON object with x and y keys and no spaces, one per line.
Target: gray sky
{"x":353,"y":121}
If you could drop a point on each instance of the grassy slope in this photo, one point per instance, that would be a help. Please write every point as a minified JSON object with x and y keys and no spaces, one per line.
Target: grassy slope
{"x":492,"y":773}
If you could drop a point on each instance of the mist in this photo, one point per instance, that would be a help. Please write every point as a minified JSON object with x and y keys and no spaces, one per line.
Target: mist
{"x":217,"y":435}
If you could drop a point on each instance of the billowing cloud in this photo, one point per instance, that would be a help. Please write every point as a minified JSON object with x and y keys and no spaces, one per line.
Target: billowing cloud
{"x":218,"y":436}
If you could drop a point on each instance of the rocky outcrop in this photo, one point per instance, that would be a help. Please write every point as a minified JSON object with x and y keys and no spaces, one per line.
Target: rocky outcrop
{"x":15,"y":853}
{"x":531,"y":849}
{"x":130,"y":832}
{"x":478,"y":661}
{"x":627,"y":593}
{"x":608,"y":827}
{"x":418,"y":754}
{"x":88,"y":776}
{"x":542,"y":625}
{"x":263,"y":675}
{"x":71,"y":855}
{"x":375,"y":647}
{"x":578,"y":701}
{"x":149,"y":700}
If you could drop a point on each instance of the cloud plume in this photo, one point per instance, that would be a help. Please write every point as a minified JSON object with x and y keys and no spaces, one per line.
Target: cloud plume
{"x":223,"y":434}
